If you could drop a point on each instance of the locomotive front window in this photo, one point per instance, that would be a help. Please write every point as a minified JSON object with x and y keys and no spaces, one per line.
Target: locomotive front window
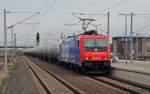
{"x":95,"y":44}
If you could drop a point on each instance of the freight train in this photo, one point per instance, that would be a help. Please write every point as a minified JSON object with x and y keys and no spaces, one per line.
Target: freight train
{"x":88,"y":52}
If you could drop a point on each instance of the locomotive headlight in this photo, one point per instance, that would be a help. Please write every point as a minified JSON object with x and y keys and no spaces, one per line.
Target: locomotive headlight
{"x":105,"y":58}
{"x":87,"y":58}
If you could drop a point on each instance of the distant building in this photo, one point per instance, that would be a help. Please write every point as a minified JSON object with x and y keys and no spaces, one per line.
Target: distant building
{"x":142,"y":51}
{"x":146,"y":47}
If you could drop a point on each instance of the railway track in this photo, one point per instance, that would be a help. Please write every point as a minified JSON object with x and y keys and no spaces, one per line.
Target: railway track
{"x":36,"y":75}
{"x":71,"y":88}
{"x":129,"y":86}
{"x":120,"y":84}
{"x":139,"y":72}
{"x":146,"y":87}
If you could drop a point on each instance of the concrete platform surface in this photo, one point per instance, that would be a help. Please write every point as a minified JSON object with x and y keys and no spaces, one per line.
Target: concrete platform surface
{"x":137,"y":66}
{"x":20,"y":80}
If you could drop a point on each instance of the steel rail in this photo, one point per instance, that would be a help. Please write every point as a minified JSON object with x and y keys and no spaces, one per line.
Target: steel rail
{"x":115,"y":85}
{"x":76,"y":91}
{"x":36,"y":75}
{"x":139,"y":72}
{"x":139,"y":85}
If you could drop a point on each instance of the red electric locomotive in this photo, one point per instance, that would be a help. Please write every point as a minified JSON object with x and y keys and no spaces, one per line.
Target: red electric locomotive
{"x":88,"y":51}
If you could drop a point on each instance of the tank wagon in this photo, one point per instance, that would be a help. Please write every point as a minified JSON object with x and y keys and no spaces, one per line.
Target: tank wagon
{"x":48,"y":52}
{"x":88,"y":52}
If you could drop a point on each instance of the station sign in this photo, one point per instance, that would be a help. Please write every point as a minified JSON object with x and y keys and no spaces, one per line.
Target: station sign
{"x":125,"y":39}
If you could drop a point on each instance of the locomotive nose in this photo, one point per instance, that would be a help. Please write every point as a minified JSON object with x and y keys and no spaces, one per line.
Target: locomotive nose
{"x":96,"y":56}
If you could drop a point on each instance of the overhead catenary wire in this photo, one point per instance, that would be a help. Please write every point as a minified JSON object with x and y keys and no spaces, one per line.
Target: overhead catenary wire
{"x":141,"y":17}
{"x":30,"y":16}
{"x":107,"y":9}
{"x":39,"y":9}
{"x":144,"y":27}
{"x":45,"y":2}
{"x":141,"y":22}
{"x":90,"y":5}
{"x":146,"y":31}
{"x":114,"y":5}
{"x":44,"y":14}
{"x":26,"y":18}
{"x":147,"y":19}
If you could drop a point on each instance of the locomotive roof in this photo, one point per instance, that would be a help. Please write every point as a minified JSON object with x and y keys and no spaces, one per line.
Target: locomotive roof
{"x":93,"y":36}
{"x":87,"y":36}
{"x":90,"y":33}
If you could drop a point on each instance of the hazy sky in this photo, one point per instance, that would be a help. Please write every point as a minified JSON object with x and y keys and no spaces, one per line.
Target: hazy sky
{"x":51,"y":23}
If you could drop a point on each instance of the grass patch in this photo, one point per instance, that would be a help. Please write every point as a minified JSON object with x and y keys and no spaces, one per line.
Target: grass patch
{"x":12,"y":60}
{"x":4,"y":77}
{"x":3,"y":85}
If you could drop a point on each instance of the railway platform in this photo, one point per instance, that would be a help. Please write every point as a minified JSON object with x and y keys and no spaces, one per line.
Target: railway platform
{"x":135,"y":66}
{"x":20,"y":80}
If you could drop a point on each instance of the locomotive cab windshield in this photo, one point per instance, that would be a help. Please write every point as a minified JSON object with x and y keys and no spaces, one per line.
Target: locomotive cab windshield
{"x":95,"y":44}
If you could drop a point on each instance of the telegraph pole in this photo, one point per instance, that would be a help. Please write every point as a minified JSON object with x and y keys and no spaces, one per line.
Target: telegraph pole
{"x":5,"y":41}
{"x":137,"y":41}
{"x":108,"y":25}
{"x":108,"y":28}
{"x":15,"y":43}
{"x":12,"y":41}
{"x":126,"y":34}
{"x":131,"y":34}
{"x":5,"y":32}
